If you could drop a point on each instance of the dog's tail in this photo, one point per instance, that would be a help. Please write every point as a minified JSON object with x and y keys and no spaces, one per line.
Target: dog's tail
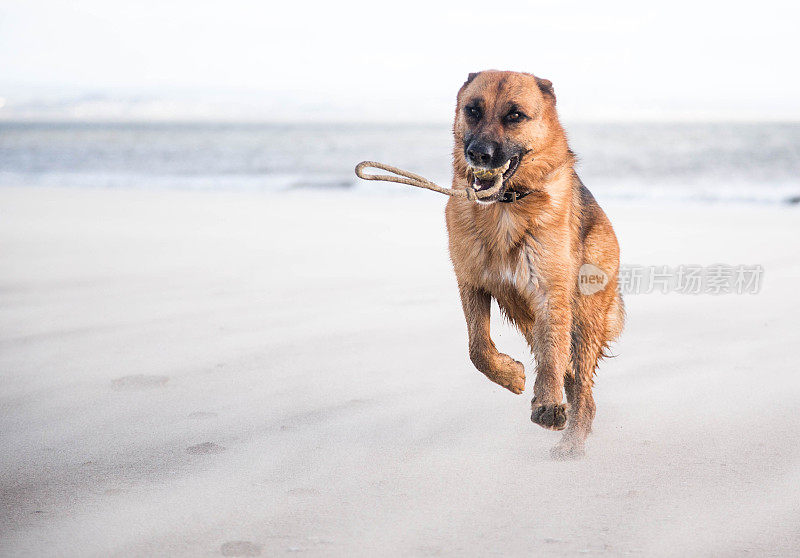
{"x":615,"y":319}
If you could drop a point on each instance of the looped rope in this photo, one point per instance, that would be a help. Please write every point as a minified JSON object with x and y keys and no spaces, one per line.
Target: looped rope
{"x":405,"y":177}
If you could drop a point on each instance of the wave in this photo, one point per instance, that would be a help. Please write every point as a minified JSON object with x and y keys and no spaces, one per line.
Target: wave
{"x":300,"y":184}
{"x":749,"y":163}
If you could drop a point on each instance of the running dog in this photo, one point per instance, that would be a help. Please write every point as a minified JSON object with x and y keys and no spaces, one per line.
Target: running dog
{"x":541,"y":247}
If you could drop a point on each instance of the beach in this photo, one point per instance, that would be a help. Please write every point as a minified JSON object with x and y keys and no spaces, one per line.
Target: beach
{"x":204,"y":373}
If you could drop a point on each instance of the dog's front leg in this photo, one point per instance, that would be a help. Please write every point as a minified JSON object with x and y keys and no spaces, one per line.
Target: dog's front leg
{"x":498,"y":367}
{"x":550,"y":340}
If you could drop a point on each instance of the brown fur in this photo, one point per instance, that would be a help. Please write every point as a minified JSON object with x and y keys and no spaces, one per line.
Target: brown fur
{"x":527,"y":254}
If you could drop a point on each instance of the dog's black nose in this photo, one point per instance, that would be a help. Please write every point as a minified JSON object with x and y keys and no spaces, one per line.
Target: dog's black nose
{"x":480,"y":153}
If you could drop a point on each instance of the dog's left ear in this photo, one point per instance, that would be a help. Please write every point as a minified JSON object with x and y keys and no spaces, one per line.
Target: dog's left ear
{"x":546,"y":87}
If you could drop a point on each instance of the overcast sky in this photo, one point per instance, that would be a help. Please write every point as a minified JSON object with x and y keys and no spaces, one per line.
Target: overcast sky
{"x":398,"y":60}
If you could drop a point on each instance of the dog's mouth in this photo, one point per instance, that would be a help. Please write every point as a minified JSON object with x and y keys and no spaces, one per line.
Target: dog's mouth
{"x":483,"y":179}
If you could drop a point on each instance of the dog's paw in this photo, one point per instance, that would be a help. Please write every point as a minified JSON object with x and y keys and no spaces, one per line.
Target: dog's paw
{"x":508,"y":373}
{"x":501,"y":369}
{"x":568,"y":449}
{"x":552,"y":416}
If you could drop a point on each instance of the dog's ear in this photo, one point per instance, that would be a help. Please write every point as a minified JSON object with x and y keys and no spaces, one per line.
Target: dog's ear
{"x":470,"y":77}
{"x":546,"y":87}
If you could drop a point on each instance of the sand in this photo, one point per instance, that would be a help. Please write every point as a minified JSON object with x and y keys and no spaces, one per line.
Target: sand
{"x":241,"y":374}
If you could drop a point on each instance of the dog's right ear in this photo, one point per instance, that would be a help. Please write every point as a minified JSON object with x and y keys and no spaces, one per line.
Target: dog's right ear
{"x":470,"y":77}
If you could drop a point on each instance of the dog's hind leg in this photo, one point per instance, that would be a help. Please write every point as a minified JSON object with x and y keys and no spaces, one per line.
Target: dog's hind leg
{"x":586,"y":352}
{"x":569,"y":383}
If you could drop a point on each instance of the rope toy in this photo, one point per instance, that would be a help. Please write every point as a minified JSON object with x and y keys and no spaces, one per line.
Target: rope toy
{"x":405,"y":177}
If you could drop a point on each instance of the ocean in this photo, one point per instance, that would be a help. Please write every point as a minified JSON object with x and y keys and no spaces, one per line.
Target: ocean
{"x":735,"y":162}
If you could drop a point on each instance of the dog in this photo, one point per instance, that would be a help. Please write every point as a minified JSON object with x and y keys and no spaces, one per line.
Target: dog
{"x":541,"y":247}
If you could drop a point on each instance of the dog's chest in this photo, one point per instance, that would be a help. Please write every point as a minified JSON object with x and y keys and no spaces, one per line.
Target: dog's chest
{"x":498,"y":252}
{"x":508,"y":267}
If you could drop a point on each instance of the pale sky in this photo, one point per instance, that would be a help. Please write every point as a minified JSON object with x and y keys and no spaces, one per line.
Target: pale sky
{"x":397,"y":60}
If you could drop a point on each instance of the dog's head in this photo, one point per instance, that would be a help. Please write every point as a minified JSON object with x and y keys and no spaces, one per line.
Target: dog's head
{"x":504,"y":120}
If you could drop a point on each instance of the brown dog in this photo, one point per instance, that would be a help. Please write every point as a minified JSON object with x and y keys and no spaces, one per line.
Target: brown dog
{"x":541,"y":247}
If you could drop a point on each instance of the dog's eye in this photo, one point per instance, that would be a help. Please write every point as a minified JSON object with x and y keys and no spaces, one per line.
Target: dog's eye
{"x":514,"y":116}
{"x":474,"y":112}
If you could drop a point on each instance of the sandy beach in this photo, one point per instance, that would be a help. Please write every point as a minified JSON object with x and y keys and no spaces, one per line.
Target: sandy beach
{"x":207,"y":373}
